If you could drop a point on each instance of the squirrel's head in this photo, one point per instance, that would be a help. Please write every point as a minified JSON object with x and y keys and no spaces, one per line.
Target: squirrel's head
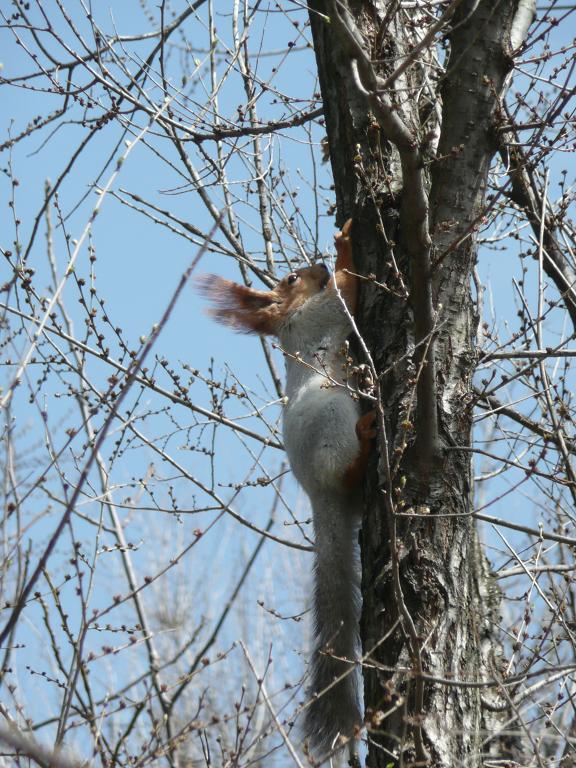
{"x":263,"y":312}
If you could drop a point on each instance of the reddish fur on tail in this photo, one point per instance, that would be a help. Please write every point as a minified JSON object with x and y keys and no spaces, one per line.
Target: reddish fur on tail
{"x":239,"y":307}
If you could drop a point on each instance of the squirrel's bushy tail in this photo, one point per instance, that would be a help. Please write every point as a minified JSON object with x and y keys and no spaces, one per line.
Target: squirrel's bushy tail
{"x":335,"y":709}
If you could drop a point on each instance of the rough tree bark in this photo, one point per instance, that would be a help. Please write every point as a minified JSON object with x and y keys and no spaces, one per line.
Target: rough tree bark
{"x":440,"y":622}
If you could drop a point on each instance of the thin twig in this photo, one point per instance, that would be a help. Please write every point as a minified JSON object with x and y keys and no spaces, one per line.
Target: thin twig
{"x":130,"y":379}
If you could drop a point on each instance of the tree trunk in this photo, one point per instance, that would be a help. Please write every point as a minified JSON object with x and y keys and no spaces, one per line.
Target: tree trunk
{"x":445,"y":584}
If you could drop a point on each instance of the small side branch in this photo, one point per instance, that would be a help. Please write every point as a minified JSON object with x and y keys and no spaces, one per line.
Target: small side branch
{"x":528,"y":197}
{"x":386,"y":499}
{"x":414,"y":224}
{"x":26,"y":746}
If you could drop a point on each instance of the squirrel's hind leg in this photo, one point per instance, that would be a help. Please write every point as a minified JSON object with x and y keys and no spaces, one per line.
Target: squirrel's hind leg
{"x":366,"y":432}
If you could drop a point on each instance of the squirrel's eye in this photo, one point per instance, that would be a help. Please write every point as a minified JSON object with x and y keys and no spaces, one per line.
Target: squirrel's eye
{"x":291,"y":279}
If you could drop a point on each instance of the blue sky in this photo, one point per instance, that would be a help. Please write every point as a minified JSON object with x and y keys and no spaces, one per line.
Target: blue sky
{"x":137,"y":269}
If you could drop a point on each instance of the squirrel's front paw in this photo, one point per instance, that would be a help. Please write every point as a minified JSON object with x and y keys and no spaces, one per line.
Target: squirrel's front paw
{"x":342,"y":238}
{"x":366,"y":432}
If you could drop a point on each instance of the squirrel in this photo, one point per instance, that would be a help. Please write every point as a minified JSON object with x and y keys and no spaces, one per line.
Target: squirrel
{"x":328,"y":443}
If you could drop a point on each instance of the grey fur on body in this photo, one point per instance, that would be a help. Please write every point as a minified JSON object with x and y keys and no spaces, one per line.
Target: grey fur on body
{"x":320,"y":438}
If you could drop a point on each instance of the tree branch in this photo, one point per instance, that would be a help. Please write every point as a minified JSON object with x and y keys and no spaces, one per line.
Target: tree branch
{"x":414,"y":225}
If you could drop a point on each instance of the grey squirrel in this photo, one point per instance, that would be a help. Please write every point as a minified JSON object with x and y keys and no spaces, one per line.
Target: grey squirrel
{"x":328,"y":444}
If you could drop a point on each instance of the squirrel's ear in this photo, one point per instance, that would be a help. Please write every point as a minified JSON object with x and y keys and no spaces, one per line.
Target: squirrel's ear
{"x":239,"y":307}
